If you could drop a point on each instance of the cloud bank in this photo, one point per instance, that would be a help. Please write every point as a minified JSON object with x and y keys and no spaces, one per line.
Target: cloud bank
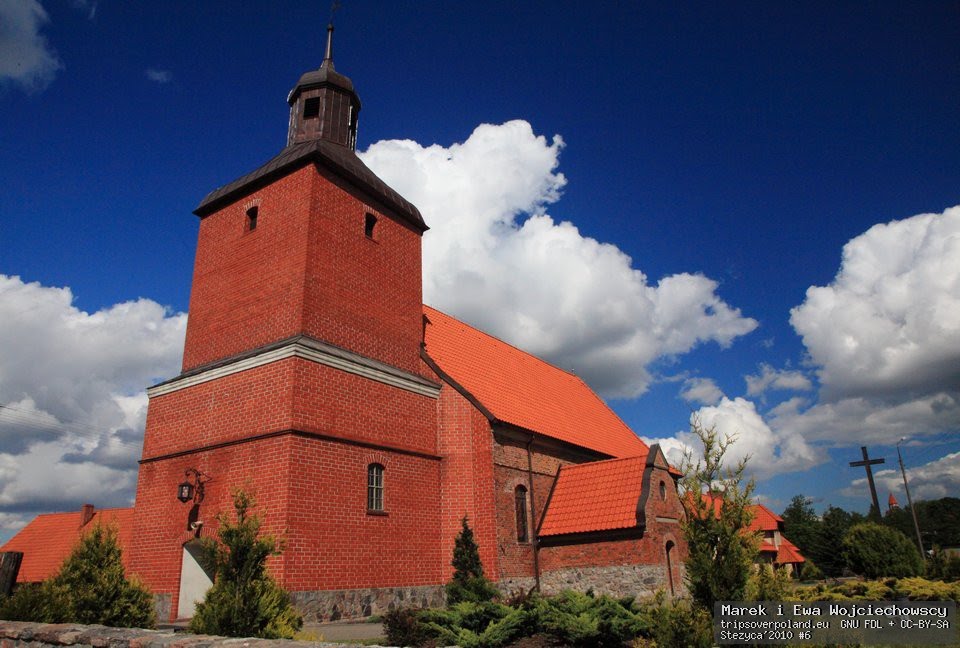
{"x":26,"y":58}
{"x":495,"y":258}
{"x":72,"y":394}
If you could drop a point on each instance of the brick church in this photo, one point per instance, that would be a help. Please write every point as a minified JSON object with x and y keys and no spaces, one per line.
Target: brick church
{"x":366,"y":424}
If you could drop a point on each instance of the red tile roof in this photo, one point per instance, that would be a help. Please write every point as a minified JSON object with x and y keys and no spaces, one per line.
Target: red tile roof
{"x":48,"y":540}
{"x":764,"y":519}
{"x":788,"y":553}
{"x":596,"y":496}
{"x":522,"y":390}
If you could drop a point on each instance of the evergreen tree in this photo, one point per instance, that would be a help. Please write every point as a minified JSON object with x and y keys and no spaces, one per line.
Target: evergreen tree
{"x":800,"y":524}
{"x":468,"y":582}
{"x":874,"y":551}
{"x":90,"y":588}
{"x":826,"y":551}
{"x":244,"y":601}
{"x":716,"y":502}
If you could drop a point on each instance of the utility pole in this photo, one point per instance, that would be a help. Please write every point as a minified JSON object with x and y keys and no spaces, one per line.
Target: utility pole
{"x":867,"y":463}
{"x":913,"y":511}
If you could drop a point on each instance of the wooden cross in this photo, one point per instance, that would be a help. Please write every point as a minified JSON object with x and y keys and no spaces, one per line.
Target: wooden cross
{"x":866,"y":463}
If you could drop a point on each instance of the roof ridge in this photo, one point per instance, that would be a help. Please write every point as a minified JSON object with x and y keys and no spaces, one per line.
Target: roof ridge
{"x":509,"y":344}
{"x":603,"y":461}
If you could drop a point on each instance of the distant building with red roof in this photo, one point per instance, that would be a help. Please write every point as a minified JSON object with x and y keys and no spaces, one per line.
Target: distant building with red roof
{"x":366,"y":424}
{"x":49,"y":538}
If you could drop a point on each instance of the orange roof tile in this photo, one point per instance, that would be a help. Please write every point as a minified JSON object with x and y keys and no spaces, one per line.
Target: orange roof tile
{"x":595,"y":496}
{"x":522,"y":390}
{"x":49,"y":538}
{"x":788,"y":553}
{"x":764,"y":519}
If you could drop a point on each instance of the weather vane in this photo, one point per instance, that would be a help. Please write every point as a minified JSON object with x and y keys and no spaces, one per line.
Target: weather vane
{"x":333,"y":9}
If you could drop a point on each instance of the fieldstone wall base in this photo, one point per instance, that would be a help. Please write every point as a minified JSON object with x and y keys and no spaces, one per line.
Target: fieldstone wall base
{"x":161,"y":605}
{"x":617,"y":580}
{"x":21,"y":634}
{"x":510,"y":586}
{"x":333,"y":605}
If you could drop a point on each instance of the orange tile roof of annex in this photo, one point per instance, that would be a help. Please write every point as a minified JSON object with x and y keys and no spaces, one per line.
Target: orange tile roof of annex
{"x":595,"y":496}
{"x":49,"y":538}
{"x":520,"y":389}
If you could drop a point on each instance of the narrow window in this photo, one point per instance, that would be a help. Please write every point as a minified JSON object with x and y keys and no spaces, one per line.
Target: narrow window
{"x":311,"y":108}
{"x":252,"y":218}
{"x":374,"y":487}
{"x":520,"y":494}
{"x":670,"y":546}
{"x":369,"y":223}
{"x":663,"y":490}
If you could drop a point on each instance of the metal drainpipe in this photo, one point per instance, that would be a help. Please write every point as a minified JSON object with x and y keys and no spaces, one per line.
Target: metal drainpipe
{"x":533,"y":519}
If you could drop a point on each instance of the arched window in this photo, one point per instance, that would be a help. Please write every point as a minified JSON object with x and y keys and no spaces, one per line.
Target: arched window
{"x":374,"y":487}
{"x":369,"y":223}
{"x":670,"y":557}
{"x":520,"y":496}
{"x":252,"y":215}
{"x":663,"y":490}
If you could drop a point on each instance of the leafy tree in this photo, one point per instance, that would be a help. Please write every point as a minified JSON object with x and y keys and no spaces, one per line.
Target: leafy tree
{"x":716,"y":502}
{"x":800,"y":524}
{"x":468,"y":582}
{"x":89,"y":588}
{"x":244,"y":601}
{"x":939,"y":521}
{"x":874,"y":550}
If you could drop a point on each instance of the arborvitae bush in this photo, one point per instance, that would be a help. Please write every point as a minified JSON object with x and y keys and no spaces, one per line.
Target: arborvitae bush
{"x":810,"y":571}
{"x":720,"y":552}
{"x":768,"y":584}
{"x":468,"y":582}
{"x":90,"y":588}
{"x":244,"y":601}
{"x":874,"y":550}
{"x":676,"y":624}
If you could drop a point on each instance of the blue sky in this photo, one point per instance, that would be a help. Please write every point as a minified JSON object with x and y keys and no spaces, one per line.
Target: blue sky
{"x":656,"y":189}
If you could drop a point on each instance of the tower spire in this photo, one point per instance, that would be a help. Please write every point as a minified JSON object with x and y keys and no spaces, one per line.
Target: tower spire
{"x":328,"y":55}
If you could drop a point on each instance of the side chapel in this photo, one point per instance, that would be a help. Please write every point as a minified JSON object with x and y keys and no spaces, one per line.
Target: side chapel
{"x":366,"y":424}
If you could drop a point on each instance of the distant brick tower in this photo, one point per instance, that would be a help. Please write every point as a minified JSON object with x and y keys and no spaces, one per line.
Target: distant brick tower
{"x":302,"y":380}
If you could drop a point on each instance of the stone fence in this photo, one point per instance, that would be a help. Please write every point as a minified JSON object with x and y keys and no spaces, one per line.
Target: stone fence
{"x":21,"y":634}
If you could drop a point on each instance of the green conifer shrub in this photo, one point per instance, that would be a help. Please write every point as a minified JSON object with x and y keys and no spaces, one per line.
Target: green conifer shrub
{"x":90,"y":588}
{"x":721,"y":553}
{"x":468,"y":582}
{"x":244,"y":601}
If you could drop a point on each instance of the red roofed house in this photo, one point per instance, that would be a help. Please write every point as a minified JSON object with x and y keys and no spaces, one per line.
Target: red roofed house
{"x":366,"y":424}
{"x":774,"y":546}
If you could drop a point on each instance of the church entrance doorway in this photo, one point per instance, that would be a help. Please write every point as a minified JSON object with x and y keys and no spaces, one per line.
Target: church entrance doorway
{"x":194,"y":581}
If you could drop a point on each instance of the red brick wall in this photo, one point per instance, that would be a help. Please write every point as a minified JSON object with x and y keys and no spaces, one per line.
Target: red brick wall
{"x":466,"y":479}
{"x":364,"y":295}
{"x":292,"y":393}
{"x":333,"y":543}
{"x":307,"y":268}
{"x":510,"y":470}
{"x":160,"y":519}
{"x":248,"y":286}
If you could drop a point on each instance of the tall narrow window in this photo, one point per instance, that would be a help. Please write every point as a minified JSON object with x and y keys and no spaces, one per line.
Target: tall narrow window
{"x":374,"y":487}
{"x":252,"y":218}
{"x":520,"y":495}
{"x":369,"y":223}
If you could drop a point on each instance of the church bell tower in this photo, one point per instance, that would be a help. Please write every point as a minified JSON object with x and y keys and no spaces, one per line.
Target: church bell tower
{"x":301,"y":373}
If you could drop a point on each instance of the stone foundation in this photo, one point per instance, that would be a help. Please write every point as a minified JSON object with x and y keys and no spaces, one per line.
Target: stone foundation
{"x":333,"y":605}
{"x":21,"y":634}
{"x":161,"y":605}
{"x":619,"y":580}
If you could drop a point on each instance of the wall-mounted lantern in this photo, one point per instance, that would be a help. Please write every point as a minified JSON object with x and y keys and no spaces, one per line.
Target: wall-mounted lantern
{"x":188,"y":491}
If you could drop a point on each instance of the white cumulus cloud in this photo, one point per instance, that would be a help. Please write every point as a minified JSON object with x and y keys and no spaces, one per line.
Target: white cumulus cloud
{"x":495,"y":258}
{"x":889,"y":323}
{"x":72,"y":394}
{"x":26,"y":58}
{"x":701,"y":390}
{"x":159,"y":76}
{"x":782,"y":379}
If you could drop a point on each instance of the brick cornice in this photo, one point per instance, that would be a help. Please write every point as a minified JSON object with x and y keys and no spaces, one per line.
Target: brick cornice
{"x":306,"y":348}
